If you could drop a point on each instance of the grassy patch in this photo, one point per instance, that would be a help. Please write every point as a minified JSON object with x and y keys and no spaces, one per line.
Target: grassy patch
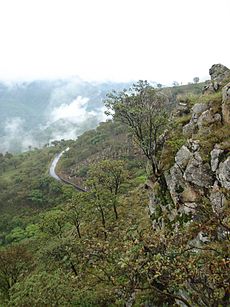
{"x":219,"y":136}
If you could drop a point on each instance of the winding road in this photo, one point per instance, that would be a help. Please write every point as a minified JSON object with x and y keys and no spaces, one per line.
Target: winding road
{"x":54,"y":164}
{"x":56,"y":177}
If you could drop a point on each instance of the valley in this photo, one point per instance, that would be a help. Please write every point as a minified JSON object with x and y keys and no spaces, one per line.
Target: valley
{"x":144,"y":219}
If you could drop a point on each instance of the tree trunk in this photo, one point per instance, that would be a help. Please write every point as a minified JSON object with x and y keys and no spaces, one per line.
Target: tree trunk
{"x":78,"y":231}
{"x":103,"y":221}
{"x":115,"y":209}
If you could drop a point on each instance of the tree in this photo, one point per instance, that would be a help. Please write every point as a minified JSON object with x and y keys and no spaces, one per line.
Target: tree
{"x":15,"y":262}
{"x":143,"y":109}
{"x":53,"y":222}
{"x":99,"y":199}
{"x":175,"y":83}
{"x":109,"y":175}
{"x":159,"y":85}
{"x":44,"y":289}
{"x":76,"y":210}
{"x":196,"y":79}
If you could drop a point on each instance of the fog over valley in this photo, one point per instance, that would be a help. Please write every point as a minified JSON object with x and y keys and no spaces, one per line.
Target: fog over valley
{"x":36,"y":113}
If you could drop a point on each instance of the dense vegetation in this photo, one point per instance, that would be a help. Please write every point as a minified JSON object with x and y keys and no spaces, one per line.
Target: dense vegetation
{"x":60,"y":247}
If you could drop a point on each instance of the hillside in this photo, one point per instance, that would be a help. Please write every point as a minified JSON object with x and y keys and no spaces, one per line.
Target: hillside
{"x":152,"y":228}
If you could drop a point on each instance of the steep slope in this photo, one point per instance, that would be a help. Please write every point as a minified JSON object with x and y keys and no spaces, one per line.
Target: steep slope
{"x":122,"y":243}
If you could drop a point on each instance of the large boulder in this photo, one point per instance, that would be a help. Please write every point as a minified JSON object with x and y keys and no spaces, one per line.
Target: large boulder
{"x":199,"y":108}
{"x":207,"y":118}
{"x":182,"y":157}
{"x":175,"y":182}
{"x":223,"y":173}
{"x":215,"y":156}
{"x":198,"y":173}
{"x":217,"y":199}
{"x":219,"y":75}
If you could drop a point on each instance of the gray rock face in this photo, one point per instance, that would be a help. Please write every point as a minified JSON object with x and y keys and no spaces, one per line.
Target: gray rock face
{"x":207,"y":118}
{"x":215,"y":154}
{"x":175,"y":182}
{"x":189,"y":129}
{"x":226,"y":103}
{"x":223,"y":173}
{"x":226,"y":92}
{"x":198,"y":173}
{"x":199,"y":108}
{"x":219,"y":72}
{"x":217,"y":199}
{"x":202,"y":116}
{"x":182,"y":157}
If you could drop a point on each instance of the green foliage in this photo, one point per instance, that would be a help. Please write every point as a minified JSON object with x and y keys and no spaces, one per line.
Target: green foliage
{"x":53,"y":222}
{"x":44,"y":289}
{"x":98,"y":248}
{"x":144,"y":111}
{"x":16,"y":234}
{"x":36,"y":197}
{"x":15,"y":263}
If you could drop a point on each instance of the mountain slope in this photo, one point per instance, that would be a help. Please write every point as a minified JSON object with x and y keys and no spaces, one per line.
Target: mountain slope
{"x":153,"y":250}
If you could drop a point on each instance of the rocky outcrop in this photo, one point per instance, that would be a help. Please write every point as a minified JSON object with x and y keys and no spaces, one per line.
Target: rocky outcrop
{"x":203,"y":118}
{"x":199,"y":108}
{"x":198,"y":173}
{"x":182,"y":157}
{"x":219,"y":74}
{"x":226,"y":103}
{"x":223,"y":173}
{"x":215,"y":156}
{"x":207,"y":118}
{"x":191,"y":180}
{"x":217,"y":198}
{"x":189,"y":175}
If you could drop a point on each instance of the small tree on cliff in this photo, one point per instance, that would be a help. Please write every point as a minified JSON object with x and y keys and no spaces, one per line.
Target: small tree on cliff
{"x":143,"y":109}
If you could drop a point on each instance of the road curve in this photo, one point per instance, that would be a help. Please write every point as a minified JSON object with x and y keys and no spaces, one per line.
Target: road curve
{"x":54,"y":164}
{"x":56,"y":177}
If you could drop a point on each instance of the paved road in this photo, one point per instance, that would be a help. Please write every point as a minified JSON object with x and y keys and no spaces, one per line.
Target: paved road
{"x":54,"y":164}
{"x":55,"y":176}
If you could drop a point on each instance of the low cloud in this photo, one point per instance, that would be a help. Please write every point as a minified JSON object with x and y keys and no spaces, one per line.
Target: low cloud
{"x":69,"y":120}
{"x":15,"y":136}
{"x":74,"y":112}
{"x":13,"y":125}
{"x":69,"y":108}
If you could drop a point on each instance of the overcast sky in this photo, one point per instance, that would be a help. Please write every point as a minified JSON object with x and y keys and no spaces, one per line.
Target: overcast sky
{"x":158,"y":40}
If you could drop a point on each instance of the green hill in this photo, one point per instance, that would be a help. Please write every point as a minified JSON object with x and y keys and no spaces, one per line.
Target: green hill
{"x":152,"y":228}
